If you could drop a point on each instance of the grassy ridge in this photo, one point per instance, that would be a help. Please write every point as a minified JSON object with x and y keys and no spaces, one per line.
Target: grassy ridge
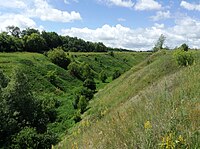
{"x":37,"y":66}
{"x":154,"y":105}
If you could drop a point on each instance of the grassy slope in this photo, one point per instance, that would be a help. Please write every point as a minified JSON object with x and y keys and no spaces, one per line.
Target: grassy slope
{"x":155,"y":104}
{"x":36,"y":66}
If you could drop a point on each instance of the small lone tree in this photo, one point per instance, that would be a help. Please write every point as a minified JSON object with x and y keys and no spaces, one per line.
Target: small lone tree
{"x":159,"y":44}
{"x":184,"y":47}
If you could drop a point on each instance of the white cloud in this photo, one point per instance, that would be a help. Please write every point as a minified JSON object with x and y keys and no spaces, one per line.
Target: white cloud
{"x":12,"y":4}
{"x":120,"y":3}
{"x":161,"y":15}
{"x":159,"y":25}
{"x":185,"y":30}
{"x":117,"y":36}
{"x":68,"y":1}
{"x":41,"y":9}
{"x":121,"y":19}
{"x":190,"y":6}
{"x":46,"y":12}
{"x":147,"y":5}
{"x":16,"y":20}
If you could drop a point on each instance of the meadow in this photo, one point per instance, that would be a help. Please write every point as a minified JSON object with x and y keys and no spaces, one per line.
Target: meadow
{"x":39,"y":70}
{"x":153,"y":105}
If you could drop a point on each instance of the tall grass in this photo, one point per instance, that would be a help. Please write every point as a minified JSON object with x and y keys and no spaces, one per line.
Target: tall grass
{"x":157,"y":106}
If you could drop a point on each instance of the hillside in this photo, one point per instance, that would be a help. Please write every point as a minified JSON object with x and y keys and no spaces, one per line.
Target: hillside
{"x":60,"y":93}
{"x":153,"y":105}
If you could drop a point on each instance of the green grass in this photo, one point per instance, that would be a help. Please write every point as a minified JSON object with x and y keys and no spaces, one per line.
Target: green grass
{"x":36,"y":67}
{"x":156,"y":104}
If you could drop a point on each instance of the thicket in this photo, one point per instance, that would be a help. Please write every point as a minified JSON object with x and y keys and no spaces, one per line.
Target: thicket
{"x":24,"y":118}
{"x":86,"y":92}
{"x":33,"y":40}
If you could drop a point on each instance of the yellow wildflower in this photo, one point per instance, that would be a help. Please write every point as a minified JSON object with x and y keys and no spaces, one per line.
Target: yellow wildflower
{"x":147,"y":125}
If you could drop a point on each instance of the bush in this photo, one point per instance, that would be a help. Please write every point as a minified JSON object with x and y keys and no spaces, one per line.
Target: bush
{"x":74,"y":70}
{"x":184,"y":58}
{"x":90,"y":84}
{"x":77,"y":117}
{"x":58,"y":57}
{"x":82,"y":104}
{"x":3,"y":80}
{"x":86,"y":72}
{"x":111,"y":53}
{"x":51,"y":76}
{"x":88,"y":93}
{"x":103,"y":76}
{"x":116,"y":74}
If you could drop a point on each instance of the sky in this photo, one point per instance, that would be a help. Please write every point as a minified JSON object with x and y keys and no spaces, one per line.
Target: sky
{"x":130,"y":24}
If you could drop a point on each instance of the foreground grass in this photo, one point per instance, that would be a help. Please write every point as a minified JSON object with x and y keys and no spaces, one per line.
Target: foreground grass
{"x":154,"y":105}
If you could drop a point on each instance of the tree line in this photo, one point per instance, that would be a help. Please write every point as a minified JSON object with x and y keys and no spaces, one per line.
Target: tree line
{"x":32,"y":40}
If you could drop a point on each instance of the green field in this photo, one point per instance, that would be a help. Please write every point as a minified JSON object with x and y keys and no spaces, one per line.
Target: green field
{"x":156,"y":104}
{"x":37,"y":66}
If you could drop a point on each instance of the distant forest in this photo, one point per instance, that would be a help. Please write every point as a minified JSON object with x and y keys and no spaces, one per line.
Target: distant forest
{"x":32,"y":40}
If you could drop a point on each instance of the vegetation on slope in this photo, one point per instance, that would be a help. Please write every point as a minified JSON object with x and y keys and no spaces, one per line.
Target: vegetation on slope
{"x":154,"y":105}
{"x":55,"y":86}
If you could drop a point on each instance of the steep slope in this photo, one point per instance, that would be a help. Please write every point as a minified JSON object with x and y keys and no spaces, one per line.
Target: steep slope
{"x":154,"y":105}
{"x":39,"y":70}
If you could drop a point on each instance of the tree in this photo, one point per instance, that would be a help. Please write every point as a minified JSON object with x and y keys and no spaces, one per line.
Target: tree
{"x":22,"y":104}
{"x":34,"y":43}
{"x":159,"y":44}
{"x":29,"y":31}
{"x":52,"y":39}
{"x":23,"y":117}
{"x":58,"y":57}
{"x":15,"y":31}
{"x":184,"y":47}
{"x":10,"y":43}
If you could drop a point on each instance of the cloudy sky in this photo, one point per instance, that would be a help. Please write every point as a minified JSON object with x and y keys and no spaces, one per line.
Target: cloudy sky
{"x":131,"y":24}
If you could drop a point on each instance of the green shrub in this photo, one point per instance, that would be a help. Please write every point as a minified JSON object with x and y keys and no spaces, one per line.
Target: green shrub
{"x":74,"y":70}
{"x":90,"y":84}
{"x":82,"y":104}
{"x":111,"y":53}
{"x":51,"y":76}
{"x":88,"y":93}
{"x":103,"y":76}
{"x":116,"y":74}
{"x":58,"y":57}
{"x":86,"y":72}
{"x":77,"y":117}
{"x":3,"y":80}
{"x":184,"y":58}
{"x":29,"y":138}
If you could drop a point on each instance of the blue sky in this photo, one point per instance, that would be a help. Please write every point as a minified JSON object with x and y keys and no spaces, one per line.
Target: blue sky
{"x":131,"y":24}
